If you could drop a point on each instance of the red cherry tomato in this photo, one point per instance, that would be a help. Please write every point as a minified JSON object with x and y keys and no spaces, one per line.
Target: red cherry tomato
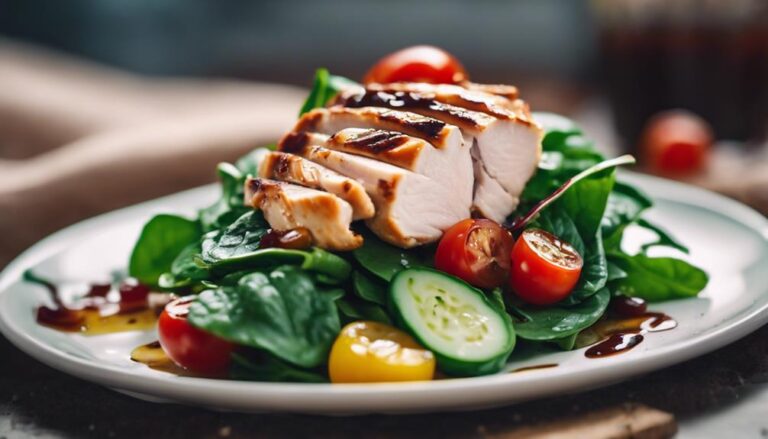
{"x":544,"y":268}
{"x":476,"y":250}
{"x":676,"y":143}
{"x":417,"y":64}
{"x":190,"y":347}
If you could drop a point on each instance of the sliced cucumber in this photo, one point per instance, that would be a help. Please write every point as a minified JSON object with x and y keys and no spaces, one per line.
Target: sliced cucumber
{"x":454,"y":320}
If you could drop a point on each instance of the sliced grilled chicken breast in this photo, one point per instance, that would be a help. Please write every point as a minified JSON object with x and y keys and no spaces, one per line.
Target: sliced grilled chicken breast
{"x":507,"y":91}
{"x":508,"y":147}
{"x":490,"y":199}
{"x":474,"y":100}
{"x":411,"y":209}
{"x":421,"y":144}
{"x":448,"y":167}
{"x":297,"y":170}
{"x":330,"y":120}
{"x":288,"y":206}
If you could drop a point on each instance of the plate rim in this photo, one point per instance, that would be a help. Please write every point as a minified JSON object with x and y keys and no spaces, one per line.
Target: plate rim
{"x":356,"y":397}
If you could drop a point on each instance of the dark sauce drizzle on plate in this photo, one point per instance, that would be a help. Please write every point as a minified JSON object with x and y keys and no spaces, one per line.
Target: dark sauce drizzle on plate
{"x":625,"y":328}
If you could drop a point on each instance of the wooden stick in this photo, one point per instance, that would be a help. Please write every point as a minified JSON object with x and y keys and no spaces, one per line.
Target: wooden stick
{"x":633,"y":421}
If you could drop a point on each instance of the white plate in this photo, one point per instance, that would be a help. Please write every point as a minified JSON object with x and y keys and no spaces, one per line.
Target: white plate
{"x":727,"y":239}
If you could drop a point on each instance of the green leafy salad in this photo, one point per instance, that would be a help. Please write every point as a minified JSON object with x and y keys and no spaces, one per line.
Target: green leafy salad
{"x":384,"y":313}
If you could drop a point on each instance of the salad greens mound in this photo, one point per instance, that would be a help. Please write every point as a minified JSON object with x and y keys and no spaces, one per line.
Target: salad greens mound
{"x":287,"y":306}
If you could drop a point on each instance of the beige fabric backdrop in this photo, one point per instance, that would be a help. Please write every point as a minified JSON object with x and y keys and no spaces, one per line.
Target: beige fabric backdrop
{"x":78,"y":139}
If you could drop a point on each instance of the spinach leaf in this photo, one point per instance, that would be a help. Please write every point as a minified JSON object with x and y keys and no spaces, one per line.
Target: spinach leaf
{"x":281,"y":311}
{"x":333,"y":268}
{"x":585,"y":202}
{"x":184,"y":270}
{"x":335,"y":293}
{"x":369,"y":289}
{"x":557,"y":129}
{"x":663,"y":238}
{"x":555,"y":168}
{"x":657,"y":279}
{"x":385,"y":260}
{"x":594,"y":273}
{"x":354,"y":309}
{"x":566,"y":152}
{"x":324,"y":88}
{"x":625,"y":205}
{"x":239,"y":238}
{"x":496,"y":297}
{"x":558,"y":322}
{"x":230,"y":205}
{"x":614,"y":272}
{"x":261,"y":366}
{"x":598,"y":178}
{"x":567,"y":343}
{"x":161,"y":240}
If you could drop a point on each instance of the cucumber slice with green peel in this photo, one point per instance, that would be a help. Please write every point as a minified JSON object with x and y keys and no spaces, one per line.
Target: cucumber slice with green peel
{"x":467,"y":334}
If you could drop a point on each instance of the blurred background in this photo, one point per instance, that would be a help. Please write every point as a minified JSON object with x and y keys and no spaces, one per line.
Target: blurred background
{"x":111,"y":89}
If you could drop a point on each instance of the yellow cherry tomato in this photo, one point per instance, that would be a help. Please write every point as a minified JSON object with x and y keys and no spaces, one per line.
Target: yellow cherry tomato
{"x":368,"y":352}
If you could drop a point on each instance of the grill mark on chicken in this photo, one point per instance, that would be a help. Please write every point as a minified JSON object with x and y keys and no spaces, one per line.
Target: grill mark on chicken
{"x":282,"y":166}
{"x":374,"y":141}
{"x":386,"y":189}
{"x":427,"y":126}
{"x":452,"y":95}
{"x":400,"y":100}
{"x":409,"y":123}
{"x":308,"y":121}
{"x":456,"y":96}
{"x":252,"y":186}
{"x":294,"y":142}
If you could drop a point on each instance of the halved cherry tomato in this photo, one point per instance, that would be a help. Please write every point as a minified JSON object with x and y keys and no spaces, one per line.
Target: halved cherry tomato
{"x":544,"y":267}
{"x":676,"y":143}
{"x":417,"y":64}
{"x":369,"y":352}
{"x":190,"y":347}
{"x":477,"y":251}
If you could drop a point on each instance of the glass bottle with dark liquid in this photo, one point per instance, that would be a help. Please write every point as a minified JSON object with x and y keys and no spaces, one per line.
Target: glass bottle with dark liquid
{"x":707,"y":57}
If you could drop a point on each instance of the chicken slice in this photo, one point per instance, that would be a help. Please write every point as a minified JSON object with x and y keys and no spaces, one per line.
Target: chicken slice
{"x":288,"y":206}
{"x":411,"y":209}
{"x":448,"y":168}
{"x":297,"y":170}
{"x":490,"y":199}
{"x":421,"y":144}
{"x":507,"y":91}
{"x":329,"y":120}
{"x":508,"y":148}
{"x":474,"y":100}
